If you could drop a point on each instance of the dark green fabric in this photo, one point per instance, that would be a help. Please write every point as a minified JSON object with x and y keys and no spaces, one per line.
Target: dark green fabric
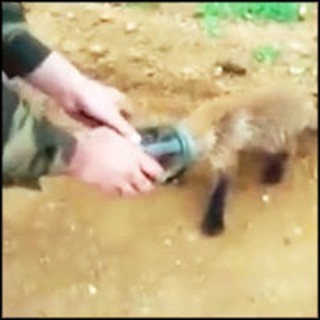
{"x":21,"y":52}
{"x":31,"y":147}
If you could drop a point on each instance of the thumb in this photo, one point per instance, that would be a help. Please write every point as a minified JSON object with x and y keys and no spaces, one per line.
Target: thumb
{"x":119,"y":124}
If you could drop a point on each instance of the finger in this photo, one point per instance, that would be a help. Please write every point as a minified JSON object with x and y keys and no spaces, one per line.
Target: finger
{"x":141,"y":183}
{"x":127,"y":190}
{"x":85,"y":120}
{"x":151,"y":169}
{"x":119,"y":124}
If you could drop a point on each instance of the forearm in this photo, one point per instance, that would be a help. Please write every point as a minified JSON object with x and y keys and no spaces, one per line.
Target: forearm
{"x":57,"y":77}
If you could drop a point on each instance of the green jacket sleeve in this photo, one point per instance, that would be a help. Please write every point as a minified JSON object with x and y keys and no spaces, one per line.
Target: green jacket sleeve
{"x":31,"y":147}
{"x":21,"y":52}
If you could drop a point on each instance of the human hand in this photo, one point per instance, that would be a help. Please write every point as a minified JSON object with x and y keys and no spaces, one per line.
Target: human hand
{"x":84,"y":99}
{"x":112,"y":163}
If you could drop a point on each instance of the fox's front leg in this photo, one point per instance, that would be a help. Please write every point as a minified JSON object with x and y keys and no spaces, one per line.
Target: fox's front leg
{"x":213,"y":221}
{"x":225,"y":166}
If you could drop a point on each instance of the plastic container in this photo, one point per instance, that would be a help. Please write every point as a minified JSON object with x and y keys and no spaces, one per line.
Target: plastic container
{"x":173,"y":147}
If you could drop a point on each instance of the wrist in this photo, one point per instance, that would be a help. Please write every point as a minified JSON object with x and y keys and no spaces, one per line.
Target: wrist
{"x":58,"y":78}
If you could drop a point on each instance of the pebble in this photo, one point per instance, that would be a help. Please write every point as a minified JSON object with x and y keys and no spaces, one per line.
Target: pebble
{"x":130,"y":27}
{"x":218,"y":71}
{"x":72,"y":227}
{"x":266,"y":198}
{"x":297,"y":231}
{"x":96,"y":49}
{"x":167,"y":242}
{"x":178,"y":262}
{"x":150,"y":72}
{"x":192,"y":236}
{"x":298,"y":47}
{"x":296,"y":70}
{"x":70,"y":15}
{"x":303,"y":11}
{"x":92,"y":289}
{"x":105,"y":17}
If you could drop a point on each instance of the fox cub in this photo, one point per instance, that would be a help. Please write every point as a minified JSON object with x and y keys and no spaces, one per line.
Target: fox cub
{"x":266,"y":121}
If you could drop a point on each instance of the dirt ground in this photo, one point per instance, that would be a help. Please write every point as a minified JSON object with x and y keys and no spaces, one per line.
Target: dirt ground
{"x":71,"y":251}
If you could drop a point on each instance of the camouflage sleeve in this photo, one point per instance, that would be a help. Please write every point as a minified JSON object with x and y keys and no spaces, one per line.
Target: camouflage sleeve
{"x":31,"y":147}
{"x":22,"y":52}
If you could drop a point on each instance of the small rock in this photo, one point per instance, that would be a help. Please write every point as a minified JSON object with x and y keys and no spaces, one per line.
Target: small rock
{"x":96,"y":49}
{"x":192,"y":236}
{"x":70,"y":15}
{"x":218,"y":71}
{"x":178,"y":262}
{"x":105,"y":17}
{"x":92,"y":289}
{"x":296,"y":70}
{"x":299,"y":48}
{"x":297,"y":231}
{"x":266,"y":198}
{"x":303,"y":9}
{"x":150,"y":72}
{"x":232,"y":67}
{"x":167,"y":242}
{"x":131,"y":27}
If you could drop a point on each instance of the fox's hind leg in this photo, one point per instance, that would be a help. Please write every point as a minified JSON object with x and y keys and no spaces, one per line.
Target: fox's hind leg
{"x":274,"y":167}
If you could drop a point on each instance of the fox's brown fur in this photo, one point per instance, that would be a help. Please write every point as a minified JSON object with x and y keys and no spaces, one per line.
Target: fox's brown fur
{"x":266,"y":120}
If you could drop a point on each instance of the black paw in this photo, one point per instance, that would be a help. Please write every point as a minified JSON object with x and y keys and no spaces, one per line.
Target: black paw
{"x":213,"y":222}
{"x":274,"y":169}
